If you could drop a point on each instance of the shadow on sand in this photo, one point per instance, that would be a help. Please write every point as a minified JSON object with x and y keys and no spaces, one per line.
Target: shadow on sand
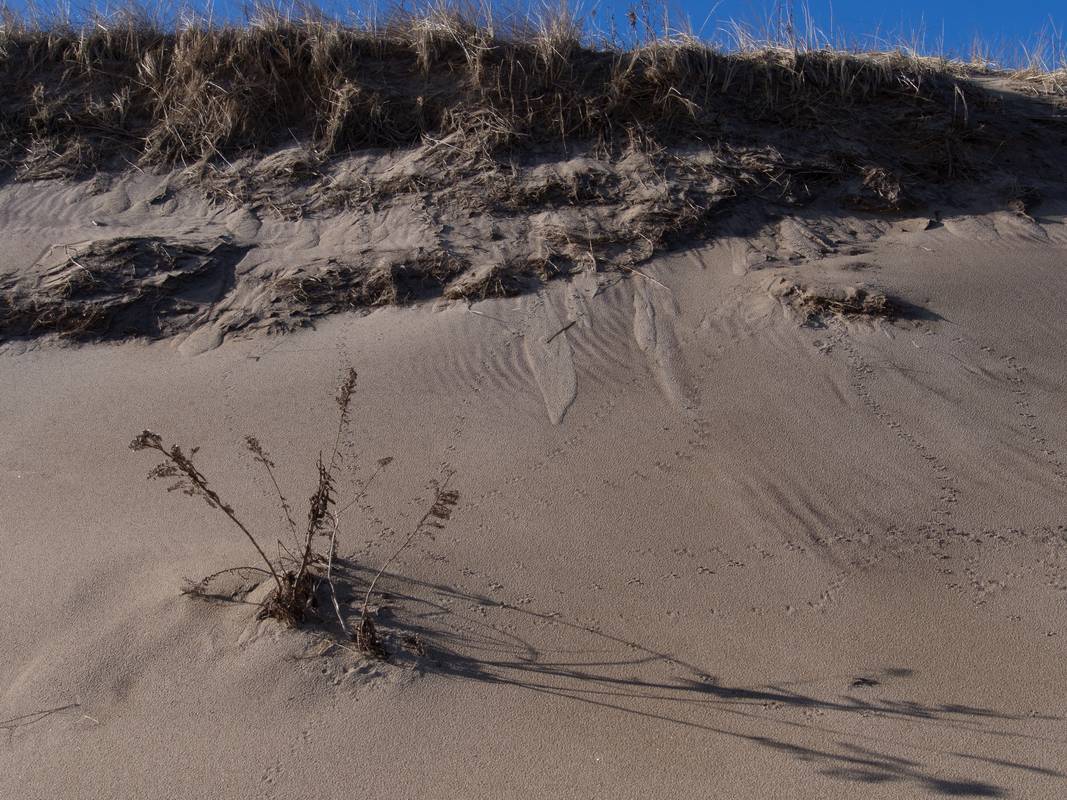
{"x":438,"y":630}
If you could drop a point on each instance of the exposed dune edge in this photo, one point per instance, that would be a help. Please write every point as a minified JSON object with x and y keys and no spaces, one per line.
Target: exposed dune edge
{"x":80,"y":100}
{"x":765,"y":498}
{"x":501,"y":163}
{"x":272,"y":243}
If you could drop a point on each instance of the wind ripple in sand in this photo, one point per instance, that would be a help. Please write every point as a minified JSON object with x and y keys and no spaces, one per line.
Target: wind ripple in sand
{"x":1000,"y":227}
{"x":655,"y":336}
{"x":548,"y":351}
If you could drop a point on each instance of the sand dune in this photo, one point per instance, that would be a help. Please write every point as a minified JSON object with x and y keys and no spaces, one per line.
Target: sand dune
{"x":753,"y":392}
{"x":708,"y":544}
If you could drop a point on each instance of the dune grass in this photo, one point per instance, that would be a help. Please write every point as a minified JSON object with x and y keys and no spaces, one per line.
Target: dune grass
{"x":127,"y":88}
{"x":295,"y":574}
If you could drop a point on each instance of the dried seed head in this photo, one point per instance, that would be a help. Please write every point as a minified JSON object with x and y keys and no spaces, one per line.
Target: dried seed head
{"x":347,"y":387}
{"x":146,"y":439}
{"x":319,"y":503}
{"x":254,"y":446}
{"x":444,"y":503}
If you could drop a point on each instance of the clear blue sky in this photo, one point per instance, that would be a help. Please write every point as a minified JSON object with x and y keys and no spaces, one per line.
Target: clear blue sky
{"x":996,"y":22}
{"x":948,"y":26}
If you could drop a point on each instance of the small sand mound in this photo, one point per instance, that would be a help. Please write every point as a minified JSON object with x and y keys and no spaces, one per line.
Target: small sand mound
{"x":508,"y":278}
{"x":815,"y":304}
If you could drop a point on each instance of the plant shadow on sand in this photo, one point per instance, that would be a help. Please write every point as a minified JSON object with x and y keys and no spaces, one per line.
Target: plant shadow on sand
{"x":439,"y":630}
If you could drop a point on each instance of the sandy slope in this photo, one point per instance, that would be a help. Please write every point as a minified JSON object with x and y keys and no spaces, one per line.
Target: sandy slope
{"x":701,"y":550}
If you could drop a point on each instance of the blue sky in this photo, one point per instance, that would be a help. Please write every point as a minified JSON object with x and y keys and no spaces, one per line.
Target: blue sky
{"x":948,"y":26}
{"x":957,"y":22}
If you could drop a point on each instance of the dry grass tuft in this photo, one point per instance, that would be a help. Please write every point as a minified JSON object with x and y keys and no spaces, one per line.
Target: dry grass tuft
{"x":880,"y":190}
{"x":295,"y":575}
{"x":505,"y":279}
{"x":127,"y":89}
{"x":114,"y":288}
{"x":333,"y":285}
{"x":304,"y":569}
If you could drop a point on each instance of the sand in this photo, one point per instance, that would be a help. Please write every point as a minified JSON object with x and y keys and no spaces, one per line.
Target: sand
{"x":723,"y":529}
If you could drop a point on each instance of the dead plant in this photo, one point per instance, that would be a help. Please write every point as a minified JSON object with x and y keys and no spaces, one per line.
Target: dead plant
{"x":304,"y":567}
{"x":297,"y":574}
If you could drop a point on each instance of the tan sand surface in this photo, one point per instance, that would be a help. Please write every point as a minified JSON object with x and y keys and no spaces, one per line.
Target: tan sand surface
{"x":702,"y":549}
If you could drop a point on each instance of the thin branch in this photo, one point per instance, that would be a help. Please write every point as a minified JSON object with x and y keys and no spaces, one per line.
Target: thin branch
{"x":318,"y":507}
{"x":180,"y":462}
{"x":329,"y":579}
{"x":336,"y":518}
{"x":263,"y":457}
{"x":382,"y":464}
{"x":441,"y":509}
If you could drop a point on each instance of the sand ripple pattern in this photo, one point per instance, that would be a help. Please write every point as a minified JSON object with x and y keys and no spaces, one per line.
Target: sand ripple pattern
{"x":550,"y":357}
{"x":654,"y":332}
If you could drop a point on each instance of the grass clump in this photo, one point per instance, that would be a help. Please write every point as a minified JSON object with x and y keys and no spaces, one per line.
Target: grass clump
{"x":303,"y":573}
{"x":331,"y":285}
{"x":127,"y":88}
{"x":118,"y":287}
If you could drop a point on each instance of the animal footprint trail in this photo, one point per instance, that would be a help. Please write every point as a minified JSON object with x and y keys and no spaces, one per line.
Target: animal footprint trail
{"x":860,"y":372}
{"x":1038,"y":437}
{"x":980,"y":588}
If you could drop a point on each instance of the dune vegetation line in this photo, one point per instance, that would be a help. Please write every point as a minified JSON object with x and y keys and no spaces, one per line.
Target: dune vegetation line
{"x":127,"y":87}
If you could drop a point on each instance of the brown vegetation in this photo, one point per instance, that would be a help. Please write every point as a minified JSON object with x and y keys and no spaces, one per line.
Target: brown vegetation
{"x":815,"y":304}
{"x":297,"y":575}
{"x":575,"y":153}
{"x":112,"y":288}
{"x":129,"y":90}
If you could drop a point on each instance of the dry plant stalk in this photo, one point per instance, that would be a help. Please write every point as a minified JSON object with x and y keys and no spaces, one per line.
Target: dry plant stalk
{"x":305,"y":566}
{"x":436,"y":516}
{"x":191,"y":481}
{"x":296,"y":575}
